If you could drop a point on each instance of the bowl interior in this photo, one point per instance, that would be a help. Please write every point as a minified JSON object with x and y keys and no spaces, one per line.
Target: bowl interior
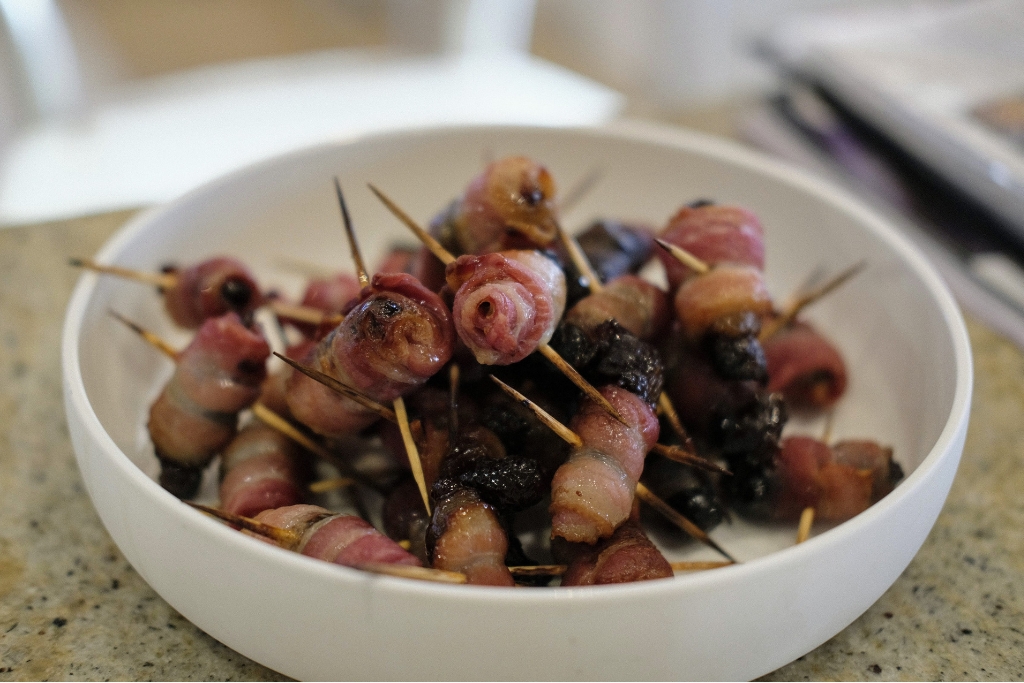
{"x":886,"y":321}
{"x":895,"y":323}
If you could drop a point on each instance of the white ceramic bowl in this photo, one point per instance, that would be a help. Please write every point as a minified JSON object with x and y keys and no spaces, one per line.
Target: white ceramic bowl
{"x":897,"y":325}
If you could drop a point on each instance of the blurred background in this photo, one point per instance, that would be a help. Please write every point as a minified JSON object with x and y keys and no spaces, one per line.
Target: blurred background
{"x":115,"y":103}
{"x":917,"y":106}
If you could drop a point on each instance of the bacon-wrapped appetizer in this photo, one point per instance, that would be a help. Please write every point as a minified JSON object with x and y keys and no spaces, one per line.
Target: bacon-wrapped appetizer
{"x":261,"y":469}
{"x":342,"y":539}
{"x":804,"y":367}
{"x":592,"y":493}
{"x":722,"y":307}
{"x":395,"y":338}
{"x":506,"y":304}
{"x":837,"y":481}
{"x":466,"y":535}
{"x":626,"y":556}
{"x":210,"y":289}
{"x":511,"y":205}
{"x":714,"y":233}
{"x":735,"y":418}
{"x":636,"y":304}
{"x":196,"y":415}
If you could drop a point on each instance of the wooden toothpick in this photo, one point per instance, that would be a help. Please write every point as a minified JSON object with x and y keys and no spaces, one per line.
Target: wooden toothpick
{"x":802,"y":301}
{"x":563,"y":432}
{"x":152,"y":338}
{"x":357,"y":256}
{"x":685,"y":457}
{"x":414,"y":454}
{"x":803,"y":530}
{"x":283,"y":537}
{"x":673,"y":515}
{"x":161,"y":280}
{"x":684,"y":257}
{"x":342,"y":388}
{"x":405,"y":571}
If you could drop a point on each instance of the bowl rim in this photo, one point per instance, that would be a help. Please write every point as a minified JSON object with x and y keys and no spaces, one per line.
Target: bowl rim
{"x":692,"y":142}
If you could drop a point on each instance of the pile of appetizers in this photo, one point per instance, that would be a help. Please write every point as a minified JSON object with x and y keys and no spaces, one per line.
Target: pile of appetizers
{"x":507,"y":369}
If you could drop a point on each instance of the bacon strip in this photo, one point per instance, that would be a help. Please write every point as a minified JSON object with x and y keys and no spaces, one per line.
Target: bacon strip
{"x":511,"y":205}
{"x":466,"y":536}
{"x":506,"y":304}
{"x":715,"y":234}
{"x":592,"y":493}
{"x":260,"y":470}
{"x":394,"y":339}
{"x":342,"y":539}
{"x":210,"y":289}
{"x":637,"y":305}
{"x":725,"y":290}
{"x":838,"y":482}
{"x":628,"y":555}
{"x":217,"y":375}
{"x":805,"y":367}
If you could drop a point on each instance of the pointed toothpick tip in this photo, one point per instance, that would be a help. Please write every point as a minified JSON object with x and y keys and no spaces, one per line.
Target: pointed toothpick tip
{"x":357,"y":256}
{"x":683,"y":256}
{"x":286,"y":538}
{"x":428,"y":240}
{"x":151,"y":338}
{"x":673,"y":515}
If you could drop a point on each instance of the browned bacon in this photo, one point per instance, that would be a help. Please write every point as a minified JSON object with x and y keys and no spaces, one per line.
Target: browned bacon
{"x":210,"y":289}
{"x":637,"y":305}
{"x":715,"y":234}
{"x":510,"y":205}
{"x":465,"y":535}
{"x":342,"y":539}
{"x":506,"y":304}
{"x":805,"y":367}
{"x":838,"y":482}
{"x":725,"y":290}
{"x":592,"y":493}
{"x":261,"y":469}
{"x":627,"y":555}
{"x":392,"y":341}
{"x":217,"y":375}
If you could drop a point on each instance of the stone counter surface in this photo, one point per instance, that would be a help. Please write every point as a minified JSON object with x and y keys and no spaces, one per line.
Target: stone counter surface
{"x":72,"y":608}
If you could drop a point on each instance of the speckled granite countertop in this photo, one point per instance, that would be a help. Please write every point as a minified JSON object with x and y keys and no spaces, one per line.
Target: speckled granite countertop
{"x":72,"y":608}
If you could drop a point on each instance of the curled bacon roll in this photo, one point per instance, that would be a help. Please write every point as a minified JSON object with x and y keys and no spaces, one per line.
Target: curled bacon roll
{"x":342,"y":539}
{"x":506,"y":304}
{"x":210,"y":289}
{"x":838,"y":481}
{"x":805,"y":367}
{"x":637,"y":305}
{"x":626,"y":556}
{"x":196,"y":415}
{"x":465,"y":535}
{"x":511,"y":205}
{"x":592,"y":493}
{"x":715,"y":234}
{"x":261,"y":469}
{"x":395,"y":338}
